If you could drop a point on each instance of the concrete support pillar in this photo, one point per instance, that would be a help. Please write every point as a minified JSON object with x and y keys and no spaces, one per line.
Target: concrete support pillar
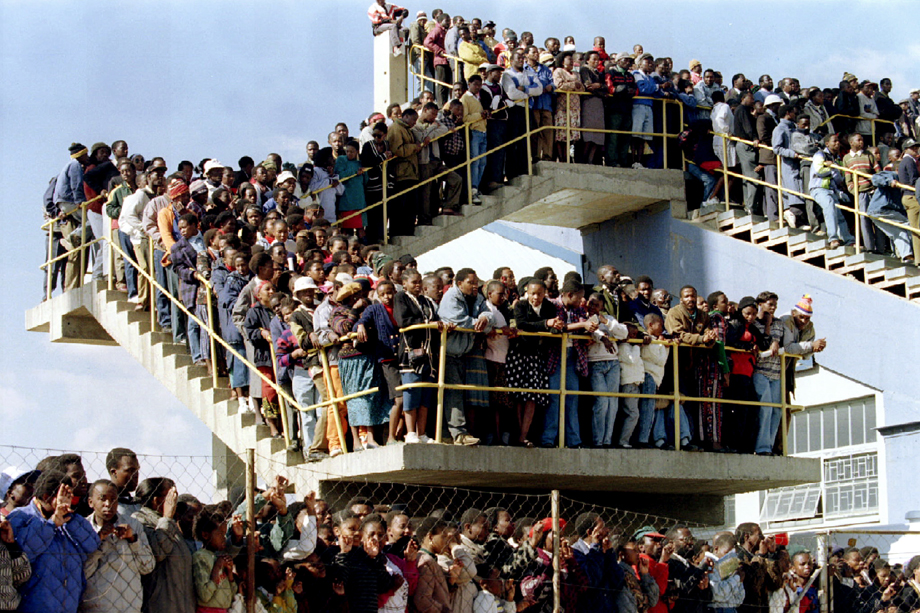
{"x":227,"y":469}
{"x":391,"y":80}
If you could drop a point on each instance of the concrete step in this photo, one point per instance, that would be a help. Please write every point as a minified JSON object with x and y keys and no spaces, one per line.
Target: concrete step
{"x":901,"y":273}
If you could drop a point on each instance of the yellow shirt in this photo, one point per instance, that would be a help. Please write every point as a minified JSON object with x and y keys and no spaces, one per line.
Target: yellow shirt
{"x":472,"y":112}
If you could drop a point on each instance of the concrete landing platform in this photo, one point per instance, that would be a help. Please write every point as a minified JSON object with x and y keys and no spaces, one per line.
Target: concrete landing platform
{"x":594,"y":470}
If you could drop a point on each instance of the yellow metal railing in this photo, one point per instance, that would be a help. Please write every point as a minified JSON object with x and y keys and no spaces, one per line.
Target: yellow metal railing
{"x":853,"y":176}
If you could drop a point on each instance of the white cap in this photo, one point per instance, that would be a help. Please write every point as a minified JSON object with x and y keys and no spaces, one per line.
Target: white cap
{"x":344,"y":278}
{"x":304,"y":283}
{"x":772,"y":99}
{"x":211,"y":165}
{"x":284,"y":176}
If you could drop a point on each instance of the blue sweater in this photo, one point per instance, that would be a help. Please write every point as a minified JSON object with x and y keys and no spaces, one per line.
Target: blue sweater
{"x":57,"y":555}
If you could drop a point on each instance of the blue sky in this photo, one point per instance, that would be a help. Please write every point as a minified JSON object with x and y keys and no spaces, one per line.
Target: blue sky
{"x":194,"y":79}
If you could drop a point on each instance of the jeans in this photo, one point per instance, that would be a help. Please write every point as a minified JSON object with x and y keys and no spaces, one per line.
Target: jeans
{"x":551,"y":424}
{"x":647,"y":409}
{"x":95,"y":222}
{"x":663,"y":431}
{"x":833,"y":217}
{"x":899,"y":237}
{"x":163,"y":310}
{"x":176,"y":316}
{"x":495,"y":162}
{"x":239,"y":377}
{"x":305,"y":394}
{"x":194,"y":334}
{"x":767,"y":390}
{"x":130,"y":271}
{"x":631,"y":410}
{"x":605,"y":377}
{"x":708,"y":180}
{"x":477,"y":147}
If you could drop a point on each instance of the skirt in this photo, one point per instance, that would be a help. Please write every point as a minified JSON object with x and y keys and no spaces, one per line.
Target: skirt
{"x":592,"y":116}
{"x":528,"y":370}
{"x":359,"y":373}
{"x":477,"y":373}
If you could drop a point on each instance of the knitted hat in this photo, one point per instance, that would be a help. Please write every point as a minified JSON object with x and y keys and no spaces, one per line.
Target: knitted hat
{"x":746,"y":302}
{"x":77,"y":150}
{"x":848,"y":77}
{"x":269,"y":165}
{"x":803,"y":306}
{"x":177,"y":187}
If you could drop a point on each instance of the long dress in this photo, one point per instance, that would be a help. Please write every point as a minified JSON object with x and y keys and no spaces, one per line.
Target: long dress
{"x":711,"y":368}
{"x":353,"y":197}
{"x":592,"y":108}
{"x":359,"y":371}
{"x":566,"y":81}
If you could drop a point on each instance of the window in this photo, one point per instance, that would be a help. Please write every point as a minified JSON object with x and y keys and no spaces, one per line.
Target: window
{"x":843,"y":435}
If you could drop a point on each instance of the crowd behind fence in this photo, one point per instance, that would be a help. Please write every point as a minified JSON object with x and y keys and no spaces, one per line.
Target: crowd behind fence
{"x":131,"y":536}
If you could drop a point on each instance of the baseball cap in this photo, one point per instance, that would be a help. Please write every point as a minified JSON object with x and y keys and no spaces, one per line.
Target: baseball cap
{"x":647,"y":531}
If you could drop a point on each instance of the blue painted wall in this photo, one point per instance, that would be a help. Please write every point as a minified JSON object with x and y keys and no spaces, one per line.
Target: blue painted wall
{"x":873,"y":337}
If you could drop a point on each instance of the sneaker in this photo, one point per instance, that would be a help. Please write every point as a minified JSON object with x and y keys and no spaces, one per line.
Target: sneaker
{"x":336,"y":452}
{"x":712,"y":202}
{"x":317,"y":456}
{"x":789,"y":216}
{"x":412,"y":438}
{"x":371,"y":445}
{"x":638,"y":166}
{"x":476,"y":198}
{"x":424,"y":439}
{"x":467,"y":440}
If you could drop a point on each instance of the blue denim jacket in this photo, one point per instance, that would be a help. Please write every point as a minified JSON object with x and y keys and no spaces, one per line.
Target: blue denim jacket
{"x":541,"y":74}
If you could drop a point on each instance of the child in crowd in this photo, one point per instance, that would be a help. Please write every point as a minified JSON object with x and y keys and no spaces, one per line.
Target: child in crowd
{"x":256,"y":327}
{"x":184,"y":256}
{"x":726,"y":575}
{"x":113,"y":572}
{"x":654,"y":359}
{"x":238,"y":265}
{"x":859,"y":159}
{"x":212,"y":566}
{"x":632,"y":377}
{"x":604,"y":366}
{"x":497,"y":346}
{"x":364,"y":567}
{"x":497,"y":595}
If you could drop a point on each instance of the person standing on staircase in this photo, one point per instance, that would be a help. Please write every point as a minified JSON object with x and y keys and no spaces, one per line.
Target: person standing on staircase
{"x":909,"y":174}
{"x":827,"y":187}
{"x":519,"y":87}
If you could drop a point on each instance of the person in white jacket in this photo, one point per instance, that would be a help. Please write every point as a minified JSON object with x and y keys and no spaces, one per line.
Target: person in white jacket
{"x":131,"y":222}
{"x":604,"y":369}
{"x":113,"y":572}
{"x":632,"y":376}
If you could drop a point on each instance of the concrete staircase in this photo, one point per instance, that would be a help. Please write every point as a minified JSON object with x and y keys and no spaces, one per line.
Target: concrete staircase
{"x":883,"y":273}
{"x":69,"y":317}
{"x":556,"y":194}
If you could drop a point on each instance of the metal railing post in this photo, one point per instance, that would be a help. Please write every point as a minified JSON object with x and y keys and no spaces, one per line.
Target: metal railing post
{"x":152,"y":289}
{"x":282,"y":405}
{"x":49,"y":267}
{"x":568,"y":127}
{"x":386,"y":234}
{"x":82,"y":246}
{"x":779,"y":192}
{"x":442,"y":367}
{"x":212,"y":344}
{"x":469,"y":166}
{"x":782,"y":385}
{"x":529,"y":135}
{"x":725,"y":171}
{"x":563,"y":365}
{"x":327,"y":377}
{"x":676,"y":373}
{"x":557,"y":557}
{"x":664,"y":132}
{"x":108,"y":231}
{"x":857,"y":217}
{"x":680,"y":110}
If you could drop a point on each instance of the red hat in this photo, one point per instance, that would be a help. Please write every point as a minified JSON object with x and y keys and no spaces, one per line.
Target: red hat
{"x":547,"y":523}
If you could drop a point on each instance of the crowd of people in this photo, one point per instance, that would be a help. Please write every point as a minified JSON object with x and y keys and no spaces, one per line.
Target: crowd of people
{"x":492,"y":84}
{"x":126,"y":545}
{"x":276,"y":300}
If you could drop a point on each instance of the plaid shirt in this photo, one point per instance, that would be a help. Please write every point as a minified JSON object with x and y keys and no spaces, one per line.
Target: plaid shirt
{"x":453,"y":143}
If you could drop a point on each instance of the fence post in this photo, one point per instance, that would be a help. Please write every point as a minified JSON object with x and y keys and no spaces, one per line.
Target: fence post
{"x":49,"y":268}
{"x":251,"y":532}
{"x":676,"y":397}
{"x":442,"y":367}
{"x":469,"y":167}
{"x":557,"y":562}
{"x":327,"y":377}
{"x":562,"y":365}
{"x":824,"y":585}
